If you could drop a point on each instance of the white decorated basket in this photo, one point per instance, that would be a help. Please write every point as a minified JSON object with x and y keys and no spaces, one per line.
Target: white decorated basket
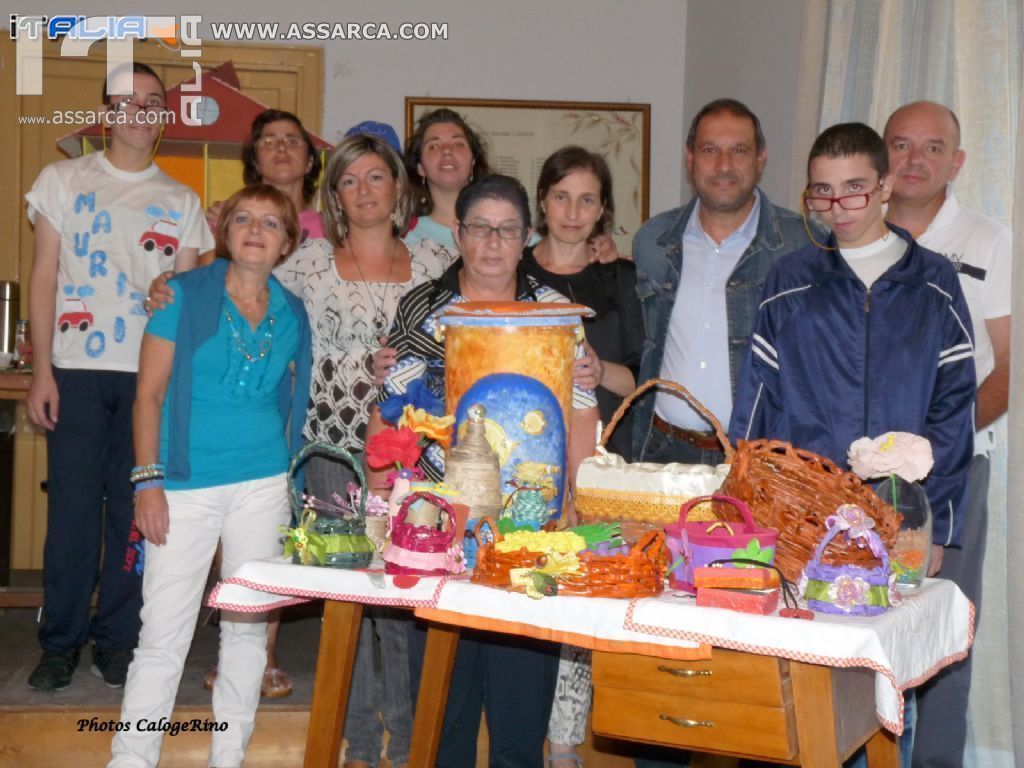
{"x":610,"y":488}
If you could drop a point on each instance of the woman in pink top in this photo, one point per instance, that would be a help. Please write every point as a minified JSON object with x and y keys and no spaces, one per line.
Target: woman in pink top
{"x":280,"y":152}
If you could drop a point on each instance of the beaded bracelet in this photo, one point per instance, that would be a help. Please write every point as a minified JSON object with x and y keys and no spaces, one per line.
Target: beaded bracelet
{"x":155,"y":467}
{"x":147,"y":484}
{"x":146,"y":472}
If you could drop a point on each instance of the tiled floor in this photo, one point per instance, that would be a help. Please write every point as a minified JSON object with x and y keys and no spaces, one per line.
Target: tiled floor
{"x":19,"y":653}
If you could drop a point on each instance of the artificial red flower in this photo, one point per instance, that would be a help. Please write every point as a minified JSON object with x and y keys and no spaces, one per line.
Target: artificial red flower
{"x":393,"y":446}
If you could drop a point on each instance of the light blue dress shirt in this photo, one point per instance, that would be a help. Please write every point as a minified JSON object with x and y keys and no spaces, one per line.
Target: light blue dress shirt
{"x":697,"y":345}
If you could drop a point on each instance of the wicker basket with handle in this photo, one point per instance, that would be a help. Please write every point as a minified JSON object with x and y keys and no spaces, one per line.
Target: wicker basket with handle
{"x":609,"y":488}
{"x":794,"y":491}
{"x":335,"y":541}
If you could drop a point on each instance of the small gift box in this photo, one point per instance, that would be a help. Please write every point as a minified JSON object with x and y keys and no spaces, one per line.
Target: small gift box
{"x":762,"y":602}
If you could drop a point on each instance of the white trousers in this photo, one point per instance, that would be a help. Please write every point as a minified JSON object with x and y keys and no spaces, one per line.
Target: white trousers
{"x":245,"y":518}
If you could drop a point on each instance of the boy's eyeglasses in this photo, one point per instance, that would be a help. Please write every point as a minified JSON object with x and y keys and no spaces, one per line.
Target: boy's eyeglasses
{"x":130,"y":107}
{"x":273,"y":142}
{"x":820,"y":204}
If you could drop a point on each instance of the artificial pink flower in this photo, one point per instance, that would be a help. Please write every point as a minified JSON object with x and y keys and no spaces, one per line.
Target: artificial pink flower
{"x":848,"y":592}
{"x":853,"y":520}
{"x":902,"y":454}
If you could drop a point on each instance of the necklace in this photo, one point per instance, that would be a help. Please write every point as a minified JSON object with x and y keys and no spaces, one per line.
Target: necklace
{"x":265,"y":345}
{"x":380,"y":318}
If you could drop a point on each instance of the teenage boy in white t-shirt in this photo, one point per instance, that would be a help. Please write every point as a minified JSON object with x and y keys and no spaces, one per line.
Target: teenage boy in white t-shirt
{"x":106,"y":224}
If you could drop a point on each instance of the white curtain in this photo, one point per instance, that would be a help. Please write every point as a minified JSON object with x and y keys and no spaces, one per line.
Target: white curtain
{"x":861,"y":59}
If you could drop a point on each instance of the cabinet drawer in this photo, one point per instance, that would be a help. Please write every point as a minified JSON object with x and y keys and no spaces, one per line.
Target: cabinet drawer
{"x":726,"y":676}
{"x":717,"y":726}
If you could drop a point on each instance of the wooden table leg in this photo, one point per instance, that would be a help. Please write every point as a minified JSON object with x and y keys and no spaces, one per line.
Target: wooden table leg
{"x":815,"y":715}
{"x":883,"y":750}
{"x":438,"y":662}
{"x":339,"y":638}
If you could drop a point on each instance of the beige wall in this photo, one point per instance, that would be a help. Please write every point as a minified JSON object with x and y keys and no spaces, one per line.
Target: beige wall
{"x":674,"y":54}
{"x":580,"y":50}
{"x":748,"y":50}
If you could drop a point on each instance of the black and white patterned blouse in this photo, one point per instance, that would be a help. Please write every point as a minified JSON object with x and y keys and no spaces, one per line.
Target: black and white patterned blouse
{"x":346,"y":318}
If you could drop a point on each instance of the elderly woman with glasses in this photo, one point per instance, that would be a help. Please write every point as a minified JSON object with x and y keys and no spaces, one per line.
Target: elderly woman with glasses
{"x":510,"y":679}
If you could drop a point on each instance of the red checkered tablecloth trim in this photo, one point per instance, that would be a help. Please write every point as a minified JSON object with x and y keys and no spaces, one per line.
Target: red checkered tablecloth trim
{"x":305,"y":595}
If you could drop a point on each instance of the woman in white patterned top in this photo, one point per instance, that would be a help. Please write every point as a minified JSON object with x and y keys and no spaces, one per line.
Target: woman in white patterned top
{"x":350,"y":284}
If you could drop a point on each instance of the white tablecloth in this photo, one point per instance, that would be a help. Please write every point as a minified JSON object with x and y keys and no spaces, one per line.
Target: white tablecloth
{"x":931,"y":628}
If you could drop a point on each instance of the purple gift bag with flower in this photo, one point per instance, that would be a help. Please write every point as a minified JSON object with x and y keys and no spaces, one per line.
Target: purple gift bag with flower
{"x":849,"y":590}
{"x":696,"y":544}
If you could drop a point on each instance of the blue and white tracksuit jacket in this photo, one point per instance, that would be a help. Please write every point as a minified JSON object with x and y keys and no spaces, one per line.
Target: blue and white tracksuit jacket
{"x":831,"y":361}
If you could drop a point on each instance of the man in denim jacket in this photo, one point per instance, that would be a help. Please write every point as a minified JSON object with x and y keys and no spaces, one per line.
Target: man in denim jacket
{"x":698,"y":312}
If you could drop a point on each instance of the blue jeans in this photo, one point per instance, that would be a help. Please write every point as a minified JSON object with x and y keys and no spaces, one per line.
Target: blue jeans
{"x":380,"y":689}
{"x":90,"y":458}
{"x":664,"y":449}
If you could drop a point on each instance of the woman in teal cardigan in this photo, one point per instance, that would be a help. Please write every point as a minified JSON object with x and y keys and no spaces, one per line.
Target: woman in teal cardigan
{"x":216,"y":393}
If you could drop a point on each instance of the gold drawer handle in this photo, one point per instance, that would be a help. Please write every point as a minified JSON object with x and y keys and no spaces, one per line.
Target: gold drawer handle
{"x":682,"y":722}
{"x":685,"y":672}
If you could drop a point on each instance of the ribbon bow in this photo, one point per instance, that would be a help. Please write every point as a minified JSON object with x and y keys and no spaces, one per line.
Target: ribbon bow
{"x":310,"y":546}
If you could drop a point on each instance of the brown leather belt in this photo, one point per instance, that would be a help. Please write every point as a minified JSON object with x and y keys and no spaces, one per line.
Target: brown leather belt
{"x":705,"y":441}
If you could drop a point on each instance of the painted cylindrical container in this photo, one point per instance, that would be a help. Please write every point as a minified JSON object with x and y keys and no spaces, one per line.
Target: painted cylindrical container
{"x":516,"y":359}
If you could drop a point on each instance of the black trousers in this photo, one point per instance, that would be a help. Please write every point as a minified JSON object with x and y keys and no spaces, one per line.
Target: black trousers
{"x":511,"y":680}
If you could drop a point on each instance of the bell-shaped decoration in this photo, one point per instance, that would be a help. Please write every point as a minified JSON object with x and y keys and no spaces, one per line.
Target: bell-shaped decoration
{"x":472,"y":469}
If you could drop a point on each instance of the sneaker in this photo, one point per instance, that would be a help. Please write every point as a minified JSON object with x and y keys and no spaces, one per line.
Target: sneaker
{"x":111,"y":664}
{"x":54,"y":671}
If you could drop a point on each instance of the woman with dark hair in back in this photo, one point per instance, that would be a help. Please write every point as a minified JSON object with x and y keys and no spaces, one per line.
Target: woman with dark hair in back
{"x":280,"y":152}
{"x":510,"y":680}
{"x":443,"y":155}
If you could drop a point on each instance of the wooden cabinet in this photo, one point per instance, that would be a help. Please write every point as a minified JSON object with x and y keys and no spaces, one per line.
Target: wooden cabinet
{"x":733,"y":703}
{"x":743,"y":705}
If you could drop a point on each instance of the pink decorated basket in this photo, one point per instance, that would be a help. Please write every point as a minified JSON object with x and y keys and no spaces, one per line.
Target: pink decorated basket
{"x":693,"y":545}
{"x":420,"y":549}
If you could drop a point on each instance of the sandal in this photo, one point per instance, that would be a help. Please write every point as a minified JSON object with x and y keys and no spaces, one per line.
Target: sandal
{"x":276,"y":683}
{"x":573,"y":757}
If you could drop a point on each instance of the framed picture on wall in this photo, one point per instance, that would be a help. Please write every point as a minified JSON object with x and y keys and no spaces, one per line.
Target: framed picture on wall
{"x":521,"y":134}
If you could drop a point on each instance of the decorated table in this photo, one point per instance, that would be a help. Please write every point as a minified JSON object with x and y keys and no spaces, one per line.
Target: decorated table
{"x":852,"y":668}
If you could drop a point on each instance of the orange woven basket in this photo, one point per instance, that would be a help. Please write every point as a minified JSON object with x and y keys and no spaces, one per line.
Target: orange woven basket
{"x":641,"y":573}
{"x":793,"y":491}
